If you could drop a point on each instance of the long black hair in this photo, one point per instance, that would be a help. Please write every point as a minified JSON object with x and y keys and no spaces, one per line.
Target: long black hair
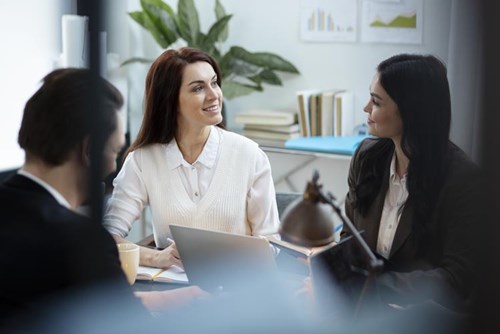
{"x":419,"y":86}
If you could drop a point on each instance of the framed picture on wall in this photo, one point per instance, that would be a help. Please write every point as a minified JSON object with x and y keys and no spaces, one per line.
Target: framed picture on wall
{"x":328,"y":20}
{"x":392,"y":22}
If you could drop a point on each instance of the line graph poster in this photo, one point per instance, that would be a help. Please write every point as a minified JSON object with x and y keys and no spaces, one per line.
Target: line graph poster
{"x":328,"y":20}
{"x":392,"y":22}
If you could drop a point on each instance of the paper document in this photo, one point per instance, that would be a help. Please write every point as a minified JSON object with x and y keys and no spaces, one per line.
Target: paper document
{"x":173,"y":274}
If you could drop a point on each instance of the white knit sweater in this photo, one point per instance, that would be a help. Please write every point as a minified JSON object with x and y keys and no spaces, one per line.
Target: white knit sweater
{"x":222,"y":208}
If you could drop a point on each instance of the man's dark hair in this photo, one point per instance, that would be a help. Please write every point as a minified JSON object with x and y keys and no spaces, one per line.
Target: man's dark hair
{"x":56,"y":121}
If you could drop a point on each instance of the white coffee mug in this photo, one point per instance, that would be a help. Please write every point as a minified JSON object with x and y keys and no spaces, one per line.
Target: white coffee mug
{"x":129,"y":258}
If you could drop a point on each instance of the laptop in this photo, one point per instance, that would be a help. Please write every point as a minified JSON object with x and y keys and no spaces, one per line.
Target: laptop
{"x":220,"y":261}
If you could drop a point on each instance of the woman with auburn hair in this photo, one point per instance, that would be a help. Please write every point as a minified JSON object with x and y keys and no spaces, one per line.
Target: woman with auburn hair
{"x":414,"y":192}
{"x":185,"y":166}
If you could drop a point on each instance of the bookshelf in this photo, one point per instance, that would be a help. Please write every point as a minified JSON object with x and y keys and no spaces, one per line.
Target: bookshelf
{"x":330,"y":155}
{"x":293,"y":155}
{"x":269,"y":127}
{"x":292,"y":169}
{"x":312,"y":154}
{"x":325,"y":112}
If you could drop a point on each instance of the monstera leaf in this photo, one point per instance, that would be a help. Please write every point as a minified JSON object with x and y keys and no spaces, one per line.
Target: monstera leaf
{"x":243,"y":72}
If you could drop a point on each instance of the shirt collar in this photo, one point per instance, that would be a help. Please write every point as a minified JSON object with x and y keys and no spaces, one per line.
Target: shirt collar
{"x":393,"y":176}
{"x":207,"y":156}
{"x":209,"y":153}
{"x":57,"y":195}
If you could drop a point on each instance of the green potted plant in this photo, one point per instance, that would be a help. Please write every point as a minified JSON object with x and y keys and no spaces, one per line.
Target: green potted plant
{"x":244,"y":72}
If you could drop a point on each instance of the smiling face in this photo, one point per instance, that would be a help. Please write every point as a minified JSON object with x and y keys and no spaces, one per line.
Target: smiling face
{"x":384,"y":119}
{"x":200,"y":97}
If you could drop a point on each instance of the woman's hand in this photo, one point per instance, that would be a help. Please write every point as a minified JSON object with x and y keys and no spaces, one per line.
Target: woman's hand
{"x":163,"y":300}
{"x":167,"y":257}
{"x":160,"y":258}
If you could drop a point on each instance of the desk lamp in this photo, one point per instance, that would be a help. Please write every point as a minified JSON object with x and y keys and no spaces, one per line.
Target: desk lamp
{"x":308,"y":222}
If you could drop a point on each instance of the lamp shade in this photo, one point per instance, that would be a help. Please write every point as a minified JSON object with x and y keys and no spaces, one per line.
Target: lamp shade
{"x":307,"y":222}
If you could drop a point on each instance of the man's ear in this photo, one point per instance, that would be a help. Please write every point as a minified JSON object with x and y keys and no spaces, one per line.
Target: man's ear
{"x":85,"y":153}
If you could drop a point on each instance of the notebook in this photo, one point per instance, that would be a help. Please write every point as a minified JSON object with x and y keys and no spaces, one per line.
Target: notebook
{"x":220,"y":261}
{"x":172,"y":274}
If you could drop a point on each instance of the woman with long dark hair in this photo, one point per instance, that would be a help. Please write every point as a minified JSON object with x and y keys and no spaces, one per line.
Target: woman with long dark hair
{"x":185,"y":166}
{"x":412,"y":191}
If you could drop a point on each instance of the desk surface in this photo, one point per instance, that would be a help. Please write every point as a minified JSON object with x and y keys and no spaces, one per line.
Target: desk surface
{"x":295,"y":271}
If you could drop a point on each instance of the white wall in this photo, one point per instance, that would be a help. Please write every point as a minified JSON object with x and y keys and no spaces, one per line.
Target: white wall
{"x":30,"y":34}
{"x":449,"y":32}
{"x":32,"y":43}
{"x":323,"y":65}
{"x":262,"y":25}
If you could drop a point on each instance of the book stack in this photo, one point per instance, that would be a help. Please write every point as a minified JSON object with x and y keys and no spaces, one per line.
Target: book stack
{"x":326,"y":112}
{"x":269,"y":127}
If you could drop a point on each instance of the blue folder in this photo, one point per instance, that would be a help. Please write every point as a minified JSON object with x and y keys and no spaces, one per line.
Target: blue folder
{"x":345,"y":145}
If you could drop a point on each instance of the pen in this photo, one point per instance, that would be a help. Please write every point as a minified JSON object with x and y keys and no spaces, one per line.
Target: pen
{"x":170,"y":242}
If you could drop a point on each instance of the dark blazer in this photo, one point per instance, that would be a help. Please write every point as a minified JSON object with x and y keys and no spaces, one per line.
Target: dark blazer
{"x":48,"y":250}
{"x":447,"y":270}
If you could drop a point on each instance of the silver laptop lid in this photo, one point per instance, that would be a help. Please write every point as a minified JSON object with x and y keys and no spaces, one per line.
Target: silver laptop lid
{"x":217,"y":260}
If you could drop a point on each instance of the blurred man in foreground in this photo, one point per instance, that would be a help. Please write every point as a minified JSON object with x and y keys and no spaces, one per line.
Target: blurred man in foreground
{"x":47,"y":251}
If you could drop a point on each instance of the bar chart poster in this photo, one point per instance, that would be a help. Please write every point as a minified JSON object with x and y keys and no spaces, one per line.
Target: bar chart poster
{"x":385,"y":22}
{"x":328,"y":20}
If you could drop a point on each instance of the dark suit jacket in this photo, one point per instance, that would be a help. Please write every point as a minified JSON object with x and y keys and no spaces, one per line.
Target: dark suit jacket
{"x":447,"y":271}
{"x":47,"y":250}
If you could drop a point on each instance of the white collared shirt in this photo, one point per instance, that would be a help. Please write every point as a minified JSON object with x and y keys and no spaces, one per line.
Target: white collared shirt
{"x":57,"y":195}
{"x":131,"y":196}
{"x":395,"y":197}
{"x":195,"y":177}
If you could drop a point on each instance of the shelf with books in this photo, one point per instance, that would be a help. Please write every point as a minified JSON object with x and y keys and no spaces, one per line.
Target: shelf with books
{"x":291,"y":169}
{"x":293,"y":164}
{"x":325,"y":112}
{"x":266,"y":117}
{"x":312,"y":155}
{"x":269,"y":127}
{"x":342,"y":145}
{"x":269,"y":134}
